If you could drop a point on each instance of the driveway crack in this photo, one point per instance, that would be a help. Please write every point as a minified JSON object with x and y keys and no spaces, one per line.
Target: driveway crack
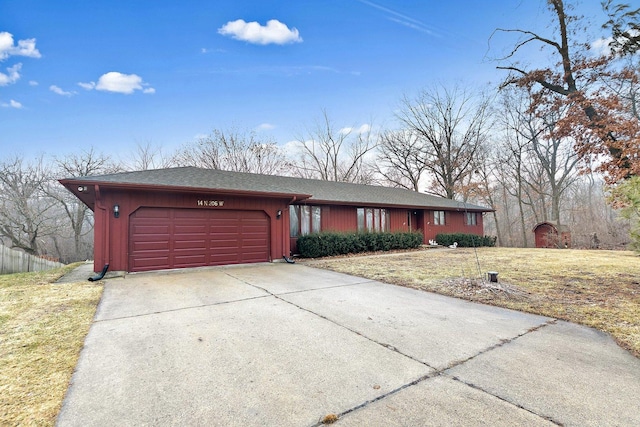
{"x":190,"y":307}
{"x":435,"y":371}
{"x":517,"y":405}
{"x":501,"y":343}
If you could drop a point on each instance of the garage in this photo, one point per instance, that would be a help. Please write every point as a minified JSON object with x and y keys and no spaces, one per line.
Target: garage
{"x":166,"y":238}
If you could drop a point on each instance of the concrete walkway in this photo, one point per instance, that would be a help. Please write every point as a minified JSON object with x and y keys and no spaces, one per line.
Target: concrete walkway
{"x":287,"y":345}
{"x":78,"y":274}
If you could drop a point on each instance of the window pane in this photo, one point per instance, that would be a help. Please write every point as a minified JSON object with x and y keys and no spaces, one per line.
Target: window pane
{"x":376,"y":219}
{"x":294,"y":221}
{"x":360,"y":214}
{"x":471,"y":218}
{"x":316,"y":212}
{"x":369,"y":219}
{"x":383,"y":219}
{"x":305,"y":220}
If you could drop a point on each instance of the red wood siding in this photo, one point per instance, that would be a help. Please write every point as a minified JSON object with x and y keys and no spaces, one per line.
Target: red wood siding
{"x":455,"y":222}
{"x":399,"y":219}
{"x":339,"y":218}
{"x":546,"y":236}
{"x":344,"y":219}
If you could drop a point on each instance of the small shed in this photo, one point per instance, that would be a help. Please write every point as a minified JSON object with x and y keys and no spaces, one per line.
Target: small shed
{"x":550,"y":234}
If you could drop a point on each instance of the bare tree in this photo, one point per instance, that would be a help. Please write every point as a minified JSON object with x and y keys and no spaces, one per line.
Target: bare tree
{"x":555,"y":159}
{"x":27,"y":215}
{"x":452,"y":124}
{"x":234,"y":150}
{"x":541,"y":165}
{"x":488,"y":187}
{"x":79,"y":216}
{"x":402,"y":159}
{"x":332,"y":154}
{"x":147,"y":156}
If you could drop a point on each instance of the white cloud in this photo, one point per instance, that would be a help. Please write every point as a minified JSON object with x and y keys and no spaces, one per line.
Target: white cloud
{"x":114,"y":81}
{"x":602,"y":46}
{"x":12,"y":76}
{"x":87,"y":86}
{"x":59,"y":91}
{"x":33,"y":83}
{"x":363,"y":129}
{"x":266,"y":126}
{"x":11,"y":104}
{"x":25,"y":47}
{"x":294,"y":149}
{"x":118,"y":82}
{"x":274,"y":32}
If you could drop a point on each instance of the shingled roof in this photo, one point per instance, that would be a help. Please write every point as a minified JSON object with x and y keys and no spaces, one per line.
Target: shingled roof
{"x":312,"y":190}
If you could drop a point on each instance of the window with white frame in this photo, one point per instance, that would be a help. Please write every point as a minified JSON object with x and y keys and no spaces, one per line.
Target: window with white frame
{"x":372,"y":219}
{"x":304,"y":219}
{"x":471,"y":218}
{"x":438,"y":217}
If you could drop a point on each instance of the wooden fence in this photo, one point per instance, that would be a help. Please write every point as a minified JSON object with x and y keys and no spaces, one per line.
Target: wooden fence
{"x":12,"y":261}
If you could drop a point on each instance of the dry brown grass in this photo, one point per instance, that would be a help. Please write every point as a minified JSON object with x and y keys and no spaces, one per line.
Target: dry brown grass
{"x":600,"y":289}
{"x":42,"y":329}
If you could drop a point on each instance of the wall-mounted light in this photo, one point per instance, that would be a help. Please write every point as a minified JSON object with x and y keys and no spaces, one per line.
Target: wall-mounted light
{"x":278,"y":214}
{"x":116,"y":211}
{"x":82,"y":188}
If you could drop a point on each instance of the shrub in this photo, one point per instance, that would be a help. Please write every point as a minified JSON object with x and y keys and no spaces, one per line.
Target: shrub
{"x":465,"y":240}
{"x":331,"y":243}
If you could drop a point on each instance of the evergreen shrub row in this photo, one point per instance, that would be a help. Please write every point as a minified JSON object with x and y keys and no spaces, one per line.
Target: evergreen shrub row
{"x":465,"y":240}
{"x":331,"y":243}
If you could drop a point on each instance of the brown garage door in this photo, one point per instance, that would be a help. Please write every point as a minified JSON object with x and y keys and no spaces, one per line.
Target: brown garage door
{"x":179,"y":238}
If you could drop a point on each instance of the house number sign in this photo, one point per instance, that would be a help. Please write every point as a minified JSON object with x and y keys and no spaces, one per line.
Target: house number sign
{"x":211,"y":203}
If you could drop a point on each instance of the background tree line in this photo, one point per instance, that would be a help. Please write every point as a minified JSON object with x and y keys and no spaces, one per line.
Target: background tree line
{"x":559,"y":142}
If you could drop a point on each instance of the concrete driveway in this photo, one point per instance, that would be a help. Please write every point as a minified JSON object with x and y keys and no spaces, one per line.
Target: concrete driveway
{"x":287,"y":345}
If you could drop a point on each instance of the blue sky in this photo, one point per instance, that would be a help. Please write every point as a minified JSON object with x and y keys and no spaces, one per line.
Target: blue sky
{"x":112,"y":74}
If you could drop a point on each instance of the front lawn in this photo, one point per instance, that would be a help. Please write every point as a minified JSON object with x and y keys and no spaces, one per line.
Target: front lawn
{"x":42,"y":329}
{"x":596,"y":288}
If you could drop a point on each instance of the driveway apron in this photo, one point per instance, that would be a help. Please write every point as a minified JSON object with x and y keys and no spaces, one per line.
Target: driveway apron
{"x":288,"y":345}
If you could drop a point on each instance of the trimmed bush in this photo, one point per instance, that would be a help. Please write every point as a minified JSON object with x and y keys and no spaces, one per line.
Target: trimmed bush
{"x":465,"y":240}
{"x":317,"y":245}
